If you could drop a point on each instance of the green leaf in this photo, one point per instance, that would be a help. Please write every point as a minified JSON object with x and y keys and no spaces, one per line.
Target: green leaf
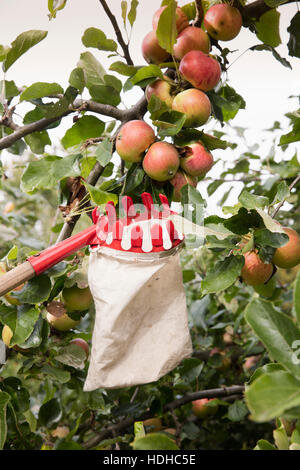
{"x":40,"y":89}
{"x":46,"y":172}
{"x":293,"y":136}
{"x":22,"y":44}
{"x":57,"y":109}
{"x":35,"y":338}
{"x":76,"y":79}
{"x":84,"y":128}
{"x":252,"y":201}
{"x":26,"y":320}
{"x":277,"y":331}
{"x":271,"y":394}
{"x":132,"y":11}
{"x":149,"y":71}
{"x":154,"y":441}
{"x":104,"y":152}
{"x":124,"y":11}
{"x":294,"y":40}
{"x":262,"y":444}
{"x":3,"y":52}
{"x":190,"y":369}
{"x":99,"y":196}
{"x":54,"y":6}
{"x":123,"y":69}
{"x":170,"y":123}
{"x":37,"y":141}
{"x":35,"y":291}
{"x":50,"y":413}
{"x":267,"y":28}
{"x":226,"y":103}
{"x":270,"y":223}
{"x":222,"y":275}
{"x":297,"y":298}
{"x":189,"y":136}
{"x":63,"y":444}
{"x":166,"y":30}
{"x":139,"y":430}
{"x":4,"y":400}
{"x":93,"y":70}
{"x":94,"y":37}
{"x":8,"y":315}
{"x":280,"y":437}
{"x":237,"y":411}
{"x":190,"y":10}
{"x":8,"y":89}
{"x":105,"y":94}
{"x":283,"y":191}
{"x":72,"y":355}
{"x":264,"y":237}
{"x":59,"y":375}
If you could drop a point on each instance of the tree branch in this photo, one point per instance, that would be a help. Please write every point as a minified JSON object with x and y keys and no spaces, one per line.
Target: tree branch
{"x":115,"y":25}
{"x":255,"y":9}
{"x":125,"y":423}
{"x":136,"y":112}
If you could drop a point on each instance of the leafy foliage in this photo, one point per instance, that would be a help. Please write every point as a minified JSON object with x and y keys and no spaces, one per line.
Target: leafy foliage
{"x":242,"y":335}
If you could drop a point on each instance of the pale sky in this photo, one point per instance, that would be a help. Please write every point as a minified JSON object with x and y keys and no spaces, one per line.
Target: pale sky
{"x":263,"y":82}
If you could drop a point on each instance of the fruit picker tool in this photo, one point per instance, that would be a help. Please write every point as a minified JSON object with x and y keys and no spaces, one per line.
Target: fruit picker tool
{"x":149,"y":231}
{"x":141,"y":329}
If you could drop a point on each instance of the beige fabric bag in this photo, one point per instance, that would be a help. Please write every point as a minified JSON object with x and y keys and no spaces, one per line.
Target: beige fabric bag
{"x":141,"y":329}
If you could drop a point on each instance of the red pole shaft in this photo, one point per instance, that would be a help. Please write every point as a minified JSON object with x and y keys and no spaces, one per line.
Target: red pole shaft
{"x":56,"y":253}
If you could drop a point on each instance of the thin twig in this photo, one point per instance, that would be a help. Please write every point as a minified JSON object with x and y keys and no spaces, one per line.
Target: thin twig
{"x":291,"y":186}
{"x":117,"y":30}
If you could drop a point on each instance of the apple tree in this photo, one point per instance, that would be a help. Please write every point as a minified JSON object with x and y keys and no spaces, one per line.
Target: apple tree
{"x":241,"y":387}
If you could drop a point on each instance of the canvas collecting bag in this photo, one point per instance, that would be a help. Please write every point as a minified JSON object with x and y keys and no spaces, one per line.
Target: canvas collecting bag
{"x":141,"y":327}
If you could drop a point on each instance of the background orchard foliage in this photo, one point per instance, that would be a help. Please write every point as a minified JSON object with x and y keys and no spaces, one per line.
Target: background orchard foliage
{"x":243,"y":337}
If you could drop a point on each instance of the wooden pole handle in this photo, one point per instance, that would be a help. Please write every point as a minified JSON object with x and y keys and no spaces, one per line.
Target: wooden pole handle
{"x":15,"y":277}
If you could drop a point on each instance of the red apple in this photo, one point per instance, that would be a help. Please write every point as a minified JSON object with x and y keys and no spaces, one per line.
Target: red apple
{"x":161,"y":161}
{"x":200,"y":409}
{"x":288,"y":255}
{"x":223,"y":21}
{"x":133,"y":139}
{"x":161,"y":89}
{"x":197,"y":160}
{"x":151,"y":50}
{"x":255,"y":271}
{"x":250,"y":362}
{"x":191,"y":39}
{"x":180,"y":180}
{"x":201,"y":70}
{"x":81,"y":343}
{"x":182,"y":20}
{"x":196,"y":106}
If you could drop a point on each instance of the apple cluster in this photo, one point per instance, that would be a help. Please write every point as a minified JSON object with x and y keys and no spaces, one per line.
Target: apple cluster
{"x":199,"y":73}
{"x":255,"y":272}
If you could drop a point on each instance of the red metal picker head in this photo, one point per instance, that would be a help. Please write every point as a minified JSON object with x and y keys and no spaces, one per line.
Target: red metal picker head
{"x":144,"y":228}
